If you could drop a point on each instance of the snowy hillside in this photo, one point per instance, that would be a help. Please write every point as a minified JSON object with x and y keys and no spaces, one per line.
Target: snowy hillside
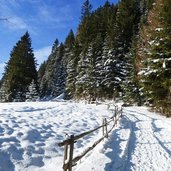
{"x":29,"y":133}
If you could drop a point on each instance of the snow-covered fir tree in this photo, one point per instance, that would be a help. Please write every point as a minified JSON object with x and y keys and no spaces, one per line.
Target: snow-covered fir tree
{"x":32,"y":94}
{"x":53,"y":80}
{"x":132,"y":93}
{"x":85,"y":83}
{"x":72,"y":70}
{"x":99,"y":66}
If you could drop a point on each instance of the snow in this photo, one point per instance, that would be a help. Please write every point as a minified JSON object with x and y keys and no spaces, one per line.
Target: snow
{"x":30,"y":133}
{"x":159,"y":29}
{"x":142,"y":72}
{"x":141,"y":142}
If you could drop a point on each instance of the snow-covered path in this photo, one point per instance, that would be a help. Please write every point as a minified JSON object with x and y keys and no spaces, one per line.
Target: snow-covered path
{"x":142,"y":142}
{"x":149,"y":146}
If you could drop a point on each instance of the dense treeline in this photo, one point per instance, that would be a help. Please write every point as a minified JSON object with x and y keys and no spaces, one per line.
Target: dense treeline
{"x":119,"y":51}
{"x":95,"y":64}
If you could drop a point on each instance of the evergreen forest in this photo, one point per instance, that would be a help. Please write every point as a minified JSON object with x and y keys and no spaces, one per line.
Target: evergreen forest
{"x":119,"y":51}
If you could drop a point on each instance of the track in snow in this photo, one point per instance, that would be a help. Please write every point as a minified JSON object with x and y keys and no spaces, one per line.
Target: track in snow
{"x":141,"y":142}
{"x":149,"y":144}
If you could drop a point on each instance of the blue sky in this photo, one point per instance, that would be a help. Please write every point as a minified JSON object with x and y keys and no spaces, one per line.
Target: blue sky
{"x":45,"y":20}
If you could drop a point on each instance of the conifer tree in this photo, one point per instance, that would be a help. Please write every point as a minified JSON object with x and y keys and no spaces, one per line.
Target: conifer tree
{"x":68,"y":46}
{"x":72,"y":70}
{"x":85,"y":26}
{"x":70,"y":40}
{"x":127,"y":22}
{"x":20,"y":69}
{"x":86,"y":10}
{"x":107,"y":70}
{"x":157,"y":78}
{"x":153,"y":56}
{"x":48,"y":69}
{"x":99,"y":66}
{"x":59,"y":73}
{"x":41,"y":71}
{"x":3,"y":92}
{"x":32,"y":93}
{"x":90,"y":82}
{"x":85,"y":81}
{"x":132,"y":93}
{"x":55,"y":46}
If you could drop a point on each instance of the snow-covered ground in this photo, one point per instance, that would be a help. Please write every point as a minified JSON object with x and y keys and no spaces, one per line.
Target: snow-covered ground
{"x":30,"y":132}
{"x":141,"y":142}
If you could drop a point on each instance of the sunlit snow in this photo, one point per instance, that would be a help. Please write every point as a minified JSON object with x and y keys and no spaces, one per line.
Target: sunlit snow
{"x":30,"y":133}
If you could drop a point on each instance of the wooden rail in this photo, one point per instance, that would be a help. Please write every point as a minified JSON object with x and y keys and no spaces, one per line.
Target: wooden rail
{"x":68,"y":144}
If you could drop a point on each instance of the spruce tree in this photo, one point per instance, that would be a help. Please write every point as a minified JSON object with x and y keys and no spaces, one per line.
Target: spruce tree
{"x":90,"y":81}
{"x":85,"y":26}
{"x":48,"y":70}
{"x":153,"y":56}
{"x":132,"y":93}
{"x":3,"y":92}
{"x":157,"y":79}
{"x":86,"y":10}
{"x":20,"y":69}
{"x":70,"y":40}
{"x":72,"y":70}
{"x":99,"y":66}
{"x":32,"y":94}
{"x":59,"y":73}
{"x":41,"y":71}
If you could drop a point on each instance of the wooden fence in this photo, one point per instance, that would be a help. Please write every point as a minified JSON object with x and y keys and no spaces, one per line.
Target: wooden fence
{"x":68,"y":144}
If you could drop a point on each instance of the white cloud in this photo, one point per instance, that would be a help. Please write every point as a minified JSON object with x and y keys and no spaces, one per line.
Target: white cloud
{"x":42,"y":54}
{"x":16,"y":23}
{"x":43,"y":13}
{"x":49,"y":14}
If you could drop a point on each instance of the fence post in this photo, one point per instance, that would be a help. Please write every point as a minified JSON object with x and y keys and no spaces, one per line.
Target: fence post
{"x":65,"y":154}
{"x":106,"y":132}
{"x":115,"y":111}
{"x":71,"y":152}
{"x":113,"y":121}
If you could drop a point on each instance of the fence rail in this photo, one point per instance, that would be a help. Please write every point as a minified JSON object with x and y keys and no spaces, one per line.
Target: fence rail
{"x":68,"y":144}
